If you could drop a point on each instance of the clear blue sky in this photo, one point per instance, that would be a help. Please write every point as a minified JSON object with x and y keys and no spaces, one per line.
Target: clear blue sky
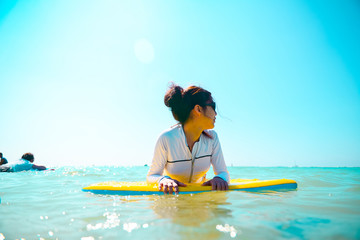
{"x":82,"y":82}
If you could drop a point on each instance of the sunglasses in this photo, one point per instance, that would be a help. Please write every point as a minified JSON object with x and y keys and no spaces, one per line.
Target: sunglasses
{"x":212,"y":105}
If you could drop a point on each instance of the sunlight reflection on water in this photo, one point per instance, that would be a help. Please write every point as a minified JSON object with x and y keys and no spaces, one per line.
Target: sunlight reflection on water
{"x":53,"y":202}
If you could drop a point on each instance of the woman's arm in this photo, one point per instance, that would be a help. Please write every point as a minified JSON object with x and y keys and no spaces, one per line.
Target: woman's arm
{"x":218,"y":162}
{"x":157,"y":167}
{"x":155,"y":174}
{"x":222,"y":177}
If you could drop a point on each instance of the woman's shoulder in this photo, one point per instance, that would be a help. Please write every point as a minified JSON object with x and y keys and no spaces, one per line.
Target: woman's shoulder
{"x":212,"y":133}
{"x":172,"y":132}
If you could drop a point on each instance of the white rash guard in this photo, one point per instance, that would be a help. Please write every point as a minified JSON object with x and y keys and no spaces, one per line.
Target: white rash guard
{"x":172,"y":158}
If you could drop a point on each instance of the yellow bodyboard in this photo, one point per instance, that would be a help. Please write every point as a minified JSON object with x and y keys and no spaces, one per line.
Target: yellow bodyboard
{"x":143,"y":188}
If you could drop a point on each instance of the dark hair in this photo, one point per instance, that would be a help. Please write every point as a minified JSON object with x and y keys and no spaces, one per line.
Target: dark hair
{"x":28,"y":156}
{"x":181,"y":101}
{"x":1,"y":155}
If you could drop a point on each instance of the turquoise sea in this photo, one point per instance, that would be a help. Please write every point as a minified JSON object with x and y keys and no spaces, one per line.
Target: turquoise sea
{"x":51,"y":205}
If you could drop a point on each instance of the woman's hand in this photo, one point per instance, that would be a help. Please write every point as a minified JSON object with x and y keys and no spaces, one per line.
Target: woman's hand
{"x":217,"y":183}
{"x":169,"y":185}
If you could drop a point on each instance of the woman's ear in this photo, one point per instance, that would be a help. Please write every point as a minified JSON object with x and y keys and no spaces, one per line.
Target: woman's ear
{"x":197,"y":109}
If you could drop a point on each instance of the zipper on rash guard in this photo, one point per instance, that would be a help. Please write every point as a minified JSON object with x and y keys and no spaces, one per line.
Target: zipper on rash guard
{"x":192,"y":167}
{"x":192,"y":155}
{"x":192,"y":160}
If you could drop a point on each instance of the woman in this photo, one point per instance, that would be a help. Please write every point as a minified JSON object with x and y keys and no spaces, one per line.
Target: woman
{"x":184,"y":153}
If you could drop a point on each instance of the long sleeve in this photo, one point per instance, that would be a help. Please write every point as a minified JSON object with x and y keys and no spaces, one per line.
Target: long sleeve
{"x":217,"y":160}
{"x":157,"y":167}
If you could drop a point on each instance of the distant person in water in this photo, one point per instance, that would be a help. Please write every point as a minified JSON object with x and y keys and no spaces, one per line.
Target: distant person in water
{"x":184,"y":153}
{"x":23,"y":164}
{"x":2,"y":159}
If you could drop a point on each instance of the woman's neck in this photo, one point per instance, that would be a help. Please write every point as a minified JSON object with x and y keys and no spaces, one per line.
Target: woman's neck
{"x":192,"y":133}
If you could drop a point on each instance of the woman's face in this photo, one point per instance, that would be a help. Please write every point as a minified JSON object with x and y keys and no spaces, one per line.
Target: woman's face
{"x":209,"y":117}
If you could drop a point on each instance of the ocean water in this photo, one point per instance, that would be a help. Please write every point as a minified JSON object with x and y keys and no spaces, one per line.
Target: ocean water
{"x":51,"y":205}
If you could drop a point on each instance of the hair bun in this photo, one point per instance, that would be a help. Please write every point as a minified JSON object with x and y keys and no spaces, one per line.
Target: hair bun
{"x":174,"y":97}
{"x":181,"y":102}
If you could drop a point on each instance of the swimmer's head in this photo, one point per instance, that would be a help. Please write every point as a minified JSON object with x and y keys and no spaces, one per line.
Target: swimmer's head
{"x":29,"y":157}
{"x":1,"y":155}
{"x":182,"y":101}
